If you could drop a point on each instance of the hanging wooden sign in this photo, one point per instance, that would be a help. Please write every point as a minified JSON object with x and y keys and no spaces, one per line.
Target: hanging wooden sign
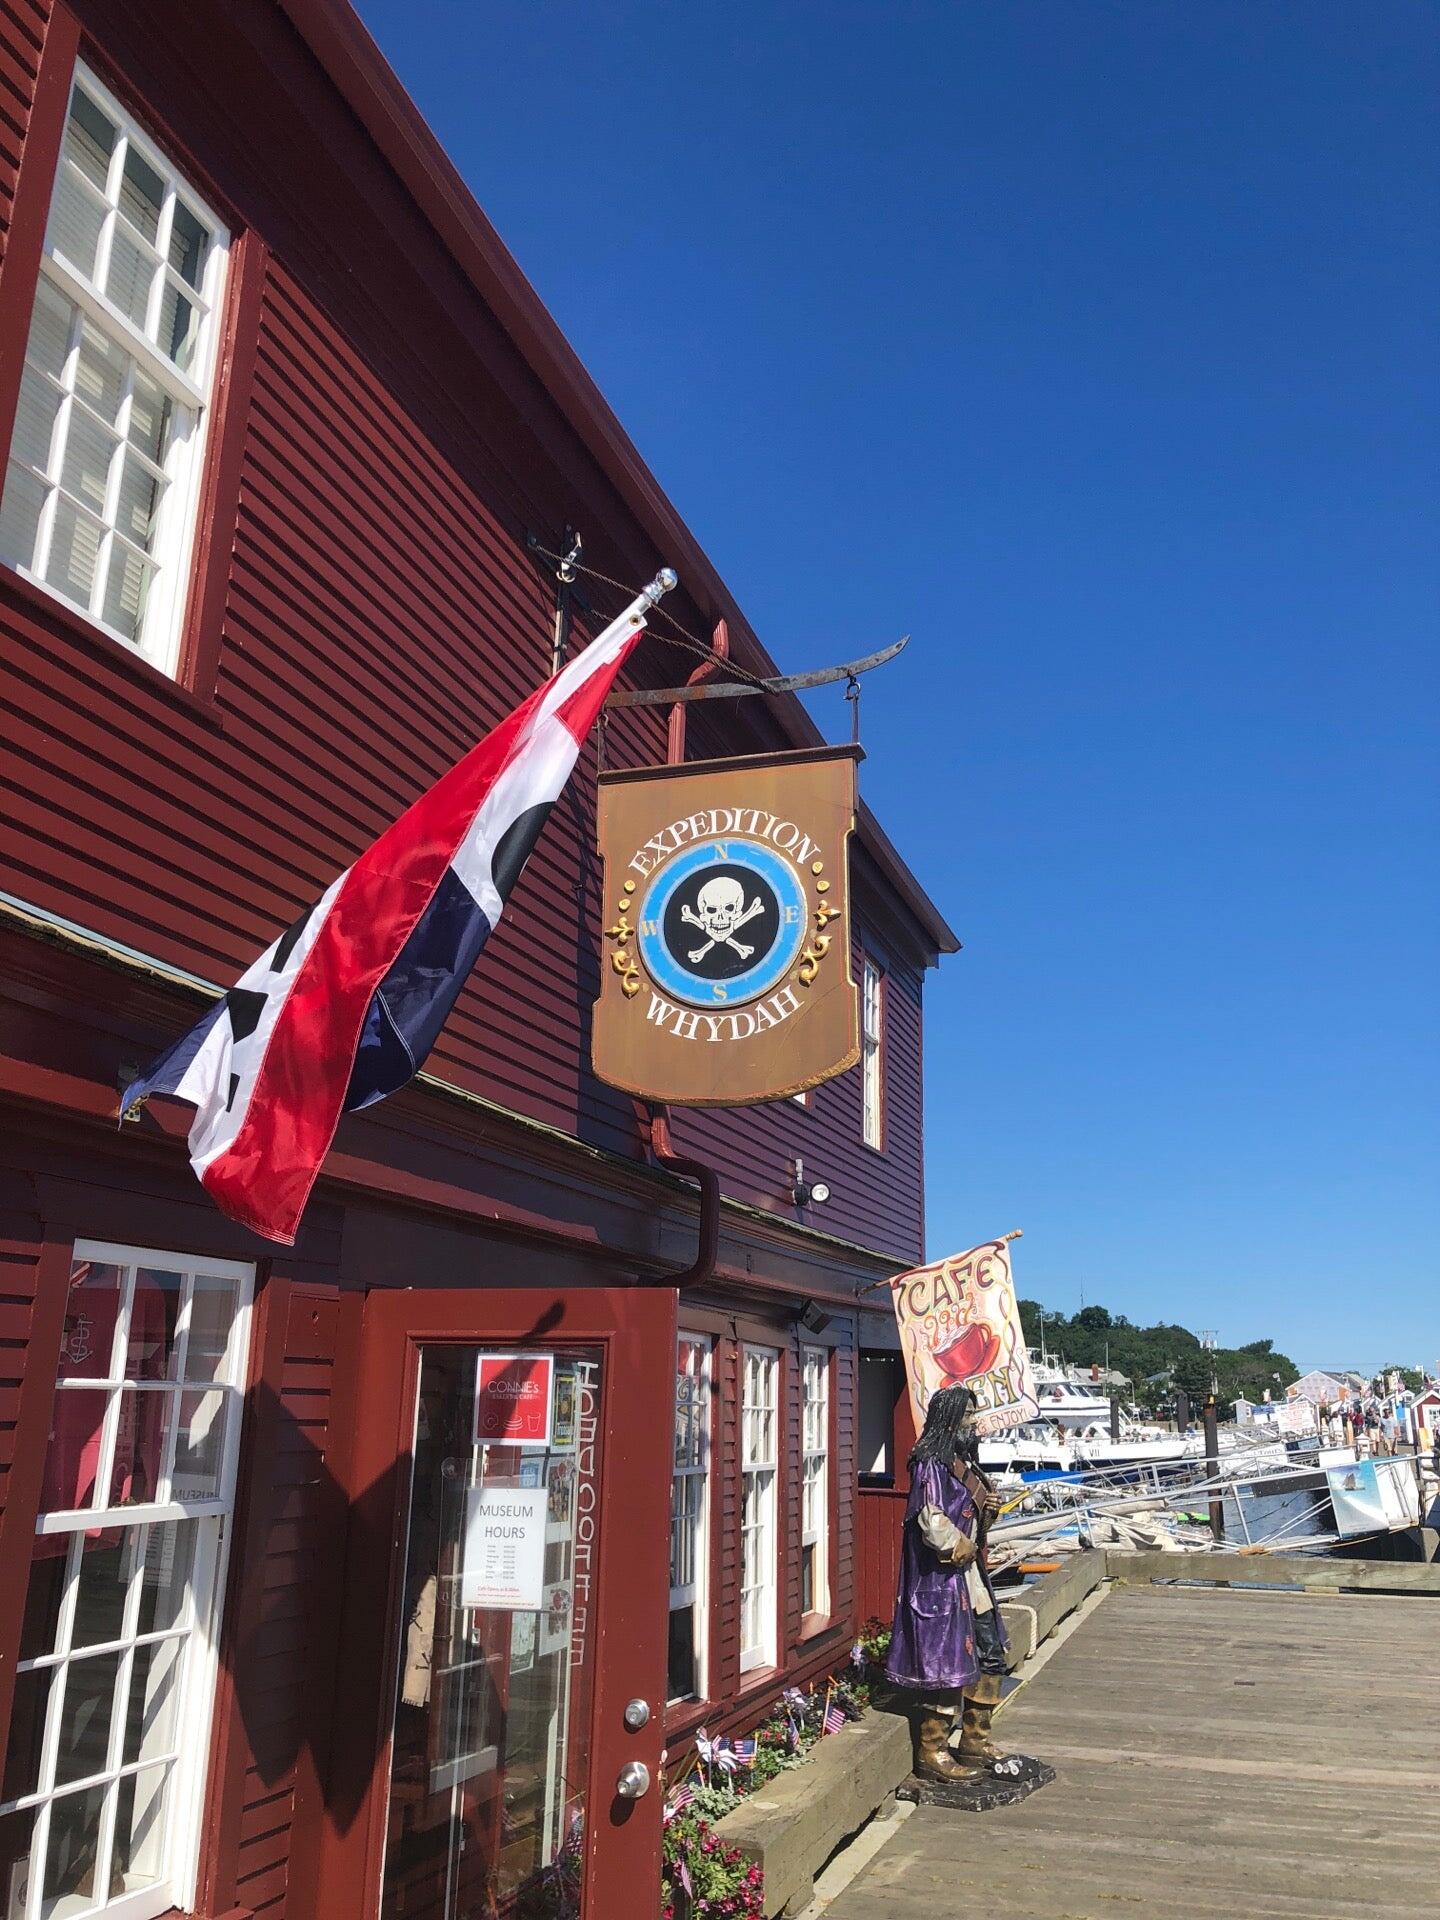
{"x":726,"y":928}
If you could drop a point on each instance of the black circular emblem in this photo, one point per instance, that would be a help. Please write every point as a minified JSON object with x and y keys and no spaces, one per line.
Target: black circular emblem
{"x":721,"y":921}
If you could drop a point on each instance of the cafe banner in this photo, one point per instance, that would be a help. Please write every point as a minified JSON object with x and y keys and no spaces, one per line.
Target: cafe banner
{"x":726,"y":928}
{"x":960,"y":1327}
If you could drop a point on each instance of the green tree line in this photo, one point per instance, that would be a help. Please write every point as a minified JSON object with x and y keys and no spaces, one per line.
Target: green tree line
{"x":1095,"y":1337}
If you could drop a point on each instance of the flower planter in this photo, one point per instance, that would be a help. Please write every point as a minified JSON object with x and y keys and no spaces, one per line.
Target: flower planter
{"x":795,"y":1822}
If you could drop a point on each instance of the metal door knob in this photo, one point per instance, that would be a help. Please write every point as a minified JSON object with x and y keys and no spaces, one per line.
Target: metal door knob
{"x":634,"y":1780}
{"x":637,"y":1715}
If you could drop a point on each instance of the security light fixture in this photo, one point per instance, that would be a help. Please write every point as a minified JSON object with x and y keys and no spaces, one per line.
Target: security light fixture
{"x":808,"y":1193}
{"x":814,"y":1319}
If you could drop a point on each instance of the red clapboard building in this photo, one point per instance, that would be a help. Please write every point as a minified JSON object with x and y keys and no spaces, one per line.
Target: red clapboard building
{"x":279,"y":413}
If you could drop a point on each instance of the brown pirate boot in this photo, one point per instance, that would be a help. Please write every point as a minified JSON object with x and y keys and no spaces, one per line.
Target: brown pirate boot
{"x":977,"y":1749}
{"x":933,"y":1759}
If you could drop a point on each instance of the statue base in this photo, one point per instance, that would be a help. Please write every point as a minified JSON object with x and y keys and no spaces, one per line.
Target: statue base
{"x":1003,"y":1783}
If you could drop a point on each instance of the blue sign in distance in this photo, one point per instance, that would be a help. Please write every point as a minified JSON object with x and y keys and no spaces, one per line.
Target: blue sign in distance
{"x":722,"y":922}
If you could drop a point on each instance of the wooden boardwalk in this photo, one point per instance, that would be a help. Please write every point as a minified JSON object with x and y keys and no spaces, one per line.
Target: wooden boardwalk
{"x":1249,"y":1755}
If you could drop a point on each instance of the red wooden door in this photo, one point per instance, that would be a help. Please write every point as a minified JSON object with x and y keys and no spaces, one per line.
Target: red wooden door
{"x":506,"y":1601}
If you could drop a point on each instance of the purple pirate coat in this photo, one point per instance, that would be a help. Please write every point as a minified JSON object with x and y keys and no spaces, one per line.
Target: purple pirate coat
{"x":932,"y":1640}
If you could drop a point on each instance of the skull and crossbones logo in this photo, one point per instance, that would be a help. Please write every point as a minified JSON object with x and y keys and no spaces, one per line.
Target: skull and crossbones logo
{"x":722,"y":913}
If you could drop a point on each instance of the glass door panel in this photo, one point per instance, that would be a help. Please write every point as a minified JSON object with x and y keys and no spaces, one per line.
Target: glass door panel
{"x":489,"y":1761}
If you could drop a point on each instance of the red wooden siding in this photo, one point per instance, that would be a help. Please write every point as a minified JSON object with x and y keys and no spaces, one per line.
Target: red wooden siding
{"x":287,"y":1636}
{"x":379,"y":615}
{"x":876,"y":1198}
{"x":280,"y":1628}
{"x":22,"y":36}
{"x":879,"y":1519}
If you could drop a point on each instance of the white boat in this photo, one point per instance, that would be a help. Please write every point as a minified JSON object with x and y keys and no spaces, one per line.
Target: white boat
{"x":1068,"y":1401}
{"x":1073,"y":1435}
{"x":1072,"y":1432}
{"x":1137,"y":1446}
{"x":1035,"y":1448}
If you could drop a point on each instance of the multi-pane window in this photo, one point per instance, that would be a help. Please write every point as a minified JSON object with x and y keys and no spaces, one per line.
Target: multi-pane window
{"x":103,"y":474}
{"x":872,"y":1054}
{"x":815,"y":1482}
{"x":758,"y":1440}
{"x":688,"y":1487}
{"x":115,"y":1679}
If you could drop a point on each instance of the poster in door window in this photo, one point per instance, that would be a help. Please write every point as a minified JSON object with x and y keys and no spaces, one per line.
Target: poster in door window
{"x":502,"y":1559}
{"x":514,"y":1395}
{"x":555,"y":1619}
{"x":563,"y":1434}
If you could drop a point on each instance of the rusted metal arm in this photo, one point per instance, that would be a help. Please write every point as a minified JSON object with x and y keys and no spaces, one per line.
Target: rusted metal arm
{"x":738,"y":689}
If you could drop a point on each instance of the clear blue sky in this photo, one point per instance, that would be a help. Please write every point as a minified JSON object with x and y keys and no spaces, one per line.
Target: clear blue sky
{"x":1093,"y":344}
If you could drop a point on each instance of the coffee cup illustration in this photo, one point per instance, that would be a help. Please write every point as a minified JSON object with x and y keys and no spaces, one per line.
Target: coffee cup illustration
{"x":974,"y":1349}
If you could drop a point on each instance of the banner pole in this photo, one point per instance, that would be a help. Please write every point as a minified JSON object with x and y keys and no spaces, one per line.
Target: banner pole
{"x":1017,"y":1233}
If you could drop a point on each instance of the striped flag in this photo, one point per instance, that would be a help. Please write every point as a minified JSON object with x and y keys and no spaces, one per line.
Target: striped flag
{"x":835,"y":1717}
{"x":345,"y":1006}
{"x":744,"y":1751}
{"x":682,"y":1797}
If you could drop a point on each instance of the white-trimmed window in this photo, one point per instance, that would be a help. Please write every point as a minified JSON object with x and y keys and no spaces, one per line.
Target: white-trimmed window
{"x":815,"y":1482}
{"x":758,"y":1441}
{"x":113,"y":1691}
{"x":872,"y":1053}
{"x":689,"y":1536}
{"x":103,"y":476}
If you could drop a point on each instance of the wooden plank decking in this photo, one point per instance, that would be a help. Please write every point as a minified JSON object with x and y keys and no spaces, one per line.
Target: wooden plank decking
{"x":1221,"y":1753}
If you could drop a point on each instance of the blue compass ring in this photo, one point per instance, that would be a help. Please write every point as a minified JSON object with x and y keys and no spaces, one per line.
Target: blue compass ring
{"x":722,"y":923}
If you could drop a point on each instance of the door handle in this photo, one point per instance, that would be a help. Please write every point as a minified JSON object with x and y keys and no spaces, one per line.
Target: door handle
{"x":634,"y":1780}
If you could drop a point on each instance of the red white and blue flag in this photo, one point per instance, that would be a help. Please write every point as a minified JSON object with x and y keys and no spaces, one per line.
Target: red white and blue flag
{"x":344,"y":1007}
{"x":682,"y":1797}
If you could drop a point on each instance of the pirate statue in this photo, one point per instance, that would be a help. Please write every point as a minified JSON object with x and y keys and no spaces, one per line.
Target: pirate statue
{"x":947,"y":1643}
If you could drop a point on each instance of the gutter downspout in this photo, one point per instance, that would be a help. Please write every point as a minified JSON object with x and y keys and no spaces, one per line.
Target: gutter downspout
{"x":655,"y":1131}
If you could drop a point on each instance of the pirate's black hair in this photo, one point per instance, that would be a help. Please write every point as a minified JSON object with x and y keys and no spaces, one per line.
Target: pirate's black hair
{"x":948,"y":1431}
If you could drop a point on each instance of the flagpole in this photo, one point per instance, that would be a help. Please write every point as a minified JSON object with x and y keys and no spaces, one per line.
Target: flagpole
{"x":559,"y":682}
{"x":1017,"y":1233}
{"x":665,"y":581}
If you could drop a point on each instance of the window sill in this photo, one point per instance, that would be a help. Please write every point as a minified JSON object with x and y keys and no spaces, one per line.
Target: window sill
{"x":814,"y":1626}
{"x":683,"y":1718}
{"x":56,"y":612}
{"x":189,"y":1913}
{"x":755,"y":1680}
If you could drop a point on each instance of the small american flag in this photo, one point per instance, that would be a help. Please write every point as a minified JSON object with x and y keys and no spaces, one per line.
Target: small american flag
{"x":835,"y":1717}
{"x":744,"y":1751}
{"x":682,"y":1797}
